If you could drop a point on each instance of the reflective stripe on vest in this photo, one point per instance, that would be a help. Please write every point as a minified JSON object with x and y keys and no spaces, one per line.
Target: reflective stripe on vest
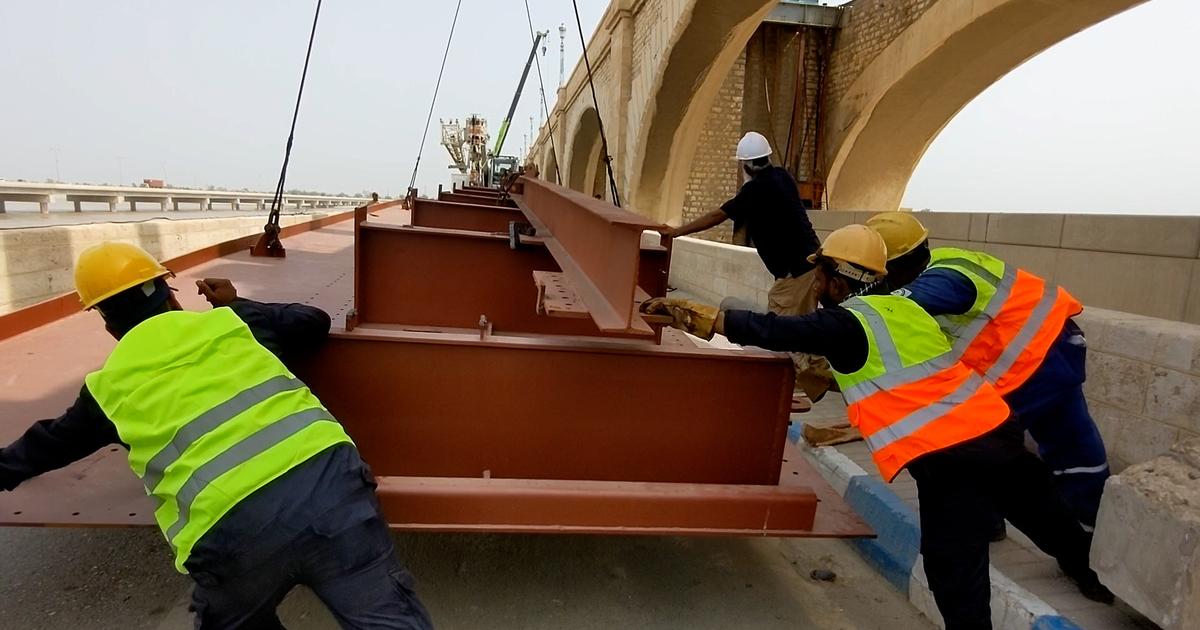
{"x":910,"y":397}
{"x":1015,"y":318}
{"x":210,"y":416}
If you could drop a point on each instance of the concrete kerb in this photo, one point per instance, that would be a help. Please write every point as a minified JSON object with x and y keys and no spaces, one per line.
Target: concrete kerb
{"x":895,"y":552}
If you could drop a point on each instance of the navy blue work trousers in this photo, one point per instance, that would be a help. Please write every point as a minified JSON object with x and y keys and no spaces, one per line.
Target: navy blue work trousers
{"x":355,"y":572}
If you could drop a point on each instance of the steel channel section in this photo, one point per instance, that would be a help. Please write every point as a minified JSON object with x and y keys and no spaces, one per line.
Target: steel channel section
{"x":597,"y":246}
{"x":449,"y":278}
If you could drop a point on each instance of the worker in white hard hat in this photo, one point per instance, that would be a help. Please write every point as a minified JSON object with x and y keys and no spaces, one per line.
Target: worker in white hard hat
{"x":921,"y":409}
{"x":768,"y":205}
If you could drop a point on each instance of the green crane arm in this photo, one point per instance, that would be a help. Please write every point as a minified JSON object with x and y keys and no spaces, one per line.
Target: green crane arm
{"x":512,"y":109}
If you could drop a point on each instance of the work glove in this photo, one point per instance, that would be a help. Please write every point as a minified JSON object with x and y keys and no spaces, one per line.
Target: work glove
{"x":218,"y":291}
{"x":691,"y":317}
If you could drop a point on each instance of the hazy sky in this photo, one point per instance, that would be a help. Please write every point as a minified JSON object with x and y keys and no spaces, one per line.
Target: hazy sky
{"x":201,"y":93}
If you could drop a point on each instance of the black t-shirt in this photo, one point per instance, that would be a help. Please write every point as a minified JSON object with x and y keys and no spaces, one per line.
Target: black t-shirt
{"x":769,"y":206}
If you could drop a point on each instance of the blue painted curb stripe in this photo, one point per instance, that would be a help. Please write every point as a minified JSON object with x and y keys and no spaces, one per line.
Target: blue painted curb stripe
{"x":793,"y":432}
{"x":894,"y":552}
{"x":1053,"y":622}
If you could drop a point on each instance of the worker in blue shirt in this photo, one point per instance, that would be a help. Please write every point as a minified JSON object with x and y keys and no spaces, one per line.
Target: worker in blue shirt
{"x":1016,"y":329}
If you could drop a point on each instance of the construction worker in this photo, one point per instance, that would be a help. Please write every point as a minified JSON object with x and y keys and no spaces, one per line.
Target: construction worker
{"x":1016,"y":330}
{"x":768,"y":206}
{"x":255,"y":486}
{"x":918,"y":409}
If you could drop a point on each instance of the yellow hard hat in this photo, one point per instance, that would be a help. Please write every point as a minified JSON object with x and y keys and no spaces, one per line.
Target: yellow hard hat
{"x":901,"y":232}
{"x":106,"y":269}
{"x":856,"y":244}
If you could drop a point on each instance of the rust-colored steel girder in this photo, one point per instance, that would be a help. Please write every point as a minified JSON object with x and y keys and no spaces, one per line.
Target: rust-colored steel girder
{"x":479,"y":190}
{"x":450,"y":278}
{"x":564,"y":435}
{"x":440,"y":277}
{"x":596,"y":244}
{"x":454,"y":405}
{"x":485,"y":200}
{"x":596,"y":507}
{"x":464,"y":216}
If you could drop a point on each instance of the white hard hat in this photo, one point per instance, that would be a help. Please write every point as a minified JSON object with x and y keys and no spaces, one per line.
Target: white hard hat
{"x":753,"y":146}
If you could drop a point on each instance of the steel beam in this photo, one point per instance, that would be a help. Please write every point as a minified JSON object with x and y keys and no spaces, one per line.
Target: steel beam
{"x":596,"y":244}
{"x":485,"y":200}
{"x":595,"y":507}
{"x":454,"y":405}
{"x":446,"y":278}
{"x":463,"y":216}
{"x":450,"y":278}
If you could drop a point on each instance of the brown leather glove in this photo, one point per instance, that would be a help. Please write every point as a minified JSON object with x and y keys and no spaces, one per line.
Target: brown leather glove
{"x":691,"y":317}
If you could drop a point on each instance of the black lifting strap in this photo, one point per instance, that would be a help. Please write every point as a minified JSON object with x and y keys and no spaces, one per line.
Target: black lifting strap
{"x":269,"y":244}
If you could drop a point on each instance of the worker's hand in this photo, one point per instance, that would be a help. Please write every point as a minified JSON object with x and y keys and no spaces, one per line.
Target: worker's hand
{"x":691,"y":317}
{"x":218,"y":291}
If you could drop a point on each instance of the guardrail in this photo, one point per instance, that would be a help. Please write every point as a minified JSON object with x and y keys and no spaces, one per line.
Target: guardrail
{"x":172,"y":198}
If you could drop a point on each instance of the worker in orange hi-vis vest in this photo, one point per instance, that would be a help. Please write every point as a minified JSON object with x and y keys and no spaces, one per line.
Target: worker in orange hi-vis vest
{"x":919,"y":408}
{"x":1016,"y":330}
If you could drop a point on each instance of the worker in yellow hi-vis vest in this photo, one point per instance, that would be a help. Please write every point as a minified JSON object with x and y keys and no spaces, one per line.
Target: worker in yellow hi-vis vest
{"x":256,"y":487}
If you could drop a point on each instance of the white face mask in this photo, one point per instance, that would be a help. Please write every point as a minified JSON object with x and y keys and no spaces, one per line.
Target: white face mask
{"x":745,"y":175}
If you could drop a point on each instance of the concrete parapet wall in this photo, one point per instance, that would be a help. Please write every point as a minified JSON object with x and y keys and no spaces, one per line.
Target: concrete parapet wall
{"x":1136,"y":264}
{"x":1143,"y":384}
{"x":712,"y":271}
{"x":1143,"y":372}
{"x":36,"y":264}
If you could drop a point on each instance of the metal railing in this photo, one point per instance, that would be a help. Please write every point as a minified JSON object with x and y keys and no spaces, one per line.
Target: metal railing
{"x":165,"y":198}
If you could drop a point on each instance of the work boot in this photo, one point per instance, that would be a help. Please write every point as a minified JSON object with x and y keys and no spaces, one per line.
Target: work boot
{"x":1090,"y":587}
{"x":999,"y":531}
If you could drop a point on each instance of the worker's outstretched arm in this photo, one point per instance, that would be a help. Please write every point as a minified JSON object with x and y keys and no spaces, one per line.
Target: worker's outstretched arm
{"x":712,"y":219}
{"x":51,"y":444}
{"x":941,"y":292}
{"x":833,"y":333}
{"x":287,"y":330}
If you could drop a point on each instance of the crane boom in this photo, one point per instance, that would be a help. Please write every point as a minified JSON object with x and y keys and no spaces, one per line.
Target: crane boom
{"x":512,"y":109}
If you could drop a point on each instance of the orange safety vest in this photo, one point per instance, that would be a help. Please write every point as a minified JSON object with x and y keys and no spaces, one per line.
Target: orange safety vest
{"x":911,"y":397}
{"x":1015,"y":319}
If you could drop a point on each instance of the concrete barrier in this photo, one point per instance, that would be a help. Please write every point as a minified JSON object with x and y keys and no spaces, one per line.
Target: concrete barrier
{"x":1136,"y":264}
{"x":36,"y":264}
{"x":1147,"y":544}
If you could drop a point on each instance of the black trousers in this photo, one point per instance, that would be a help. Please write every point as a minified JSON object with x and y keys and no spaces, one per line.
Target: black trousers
{"x":961,"y":489}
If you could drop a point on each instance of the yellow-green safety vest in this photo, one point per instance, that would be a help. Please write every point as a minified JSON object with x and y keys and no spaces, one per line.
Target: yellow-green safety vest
{"x":911,"y":397}
{"x":988,"y":274}
{"x":210,"y":416}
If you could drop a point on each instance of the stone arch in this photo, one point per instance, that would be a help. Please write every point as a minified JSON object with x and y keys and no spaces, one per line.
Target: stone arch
{"x":879,"y":129}
{"x":704,"y":48}
{"x":548,"y":166}
{"x":584,"y":152}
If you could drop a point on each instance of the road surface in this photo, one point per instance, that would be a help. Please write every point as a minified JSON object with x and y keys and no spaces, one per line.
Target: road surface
{"x":122,"y":579}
